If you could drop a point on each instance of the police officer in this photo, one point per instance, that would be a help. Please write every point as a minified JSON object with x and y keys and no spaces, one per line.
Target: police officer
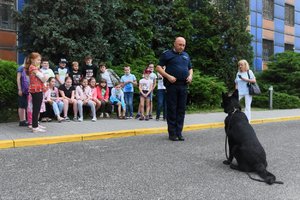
{"x":177,"y":75}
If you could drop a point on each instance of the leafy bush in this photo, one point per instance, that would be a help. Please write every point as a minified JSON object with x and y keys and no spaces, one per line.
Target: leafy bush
{"x":280,"y":101}
{"x":8,"y":89}
{"x":205,"y":91}
{"x":283,"y":73}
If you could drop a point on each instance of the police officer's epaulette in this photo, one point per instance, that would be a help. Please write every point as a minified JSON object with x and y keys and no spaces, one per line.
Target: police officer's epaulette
{"x":165,"y":51}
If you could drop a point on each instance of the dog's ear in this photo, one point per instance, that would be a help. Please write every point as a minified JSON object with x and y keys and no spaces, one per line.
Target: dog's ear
{"x":236,"y":93}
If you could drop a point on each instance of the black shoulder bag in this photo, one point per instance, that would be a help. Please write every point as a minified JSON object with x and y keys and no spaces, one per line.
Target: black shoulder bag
{"x":253,"y":87}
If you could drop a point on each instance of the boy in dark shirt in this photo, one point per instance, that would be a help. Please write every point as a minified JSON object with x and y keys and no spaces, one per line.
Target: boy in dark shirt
{"x":76,"y":74}
{"x":89,"y":70}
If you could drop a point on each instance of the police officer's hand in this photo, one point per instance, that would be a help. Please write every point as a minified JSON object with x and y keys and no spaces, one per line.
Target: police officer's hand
{"x":172,"y":79}
{"x":189,"y":79}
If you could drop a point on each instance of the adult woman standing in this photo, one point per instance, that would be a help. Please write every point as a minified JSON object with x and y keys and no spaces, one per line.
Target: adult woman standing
{"x":36,"y":87}
{"x":243,"y":77}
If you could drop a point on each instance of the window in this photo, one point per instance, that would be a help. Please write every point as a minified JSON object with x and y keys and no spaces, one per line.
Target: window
{"x":289,"y":15}
{"x":268,"y":11}
{"x":268,"y":49}
{"x":288,"y":47}
{"x":7,"y":8}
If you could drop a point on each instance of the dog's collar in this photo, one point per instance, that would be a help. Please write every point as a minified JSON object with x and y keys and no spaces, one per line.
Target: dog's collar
{"x":234,"y":110}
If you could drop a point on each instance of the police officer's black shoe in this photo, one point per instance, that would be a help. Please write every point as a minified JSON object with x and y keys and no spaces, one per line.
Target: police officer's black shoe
{"x":180,"y":138}
{"x":173,"y":138}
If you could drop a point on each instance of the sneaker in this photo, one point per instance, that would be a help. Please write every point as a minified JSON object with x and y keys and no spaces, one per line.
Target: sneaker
{"x":29,"y":126}
{"x":41,"y":127}
{"x":49,"y":119}
{"x":137,"y":116}
{"x":130,"y":117}
{"x":23,"y":123}
{"x":142,"y":118}
{"x":107,"y":115}
{"x":75,"y":119}
{"x":44,"y":119}
{"x":150,"y":116}
{"x":147,"y":118}
{"x":67,"y":119}
{"x":61,"y":119}
{"x":38,"y":129}
{"x":101,"y":115}
{"x":80,"y":119}
{"x":94,"y":119}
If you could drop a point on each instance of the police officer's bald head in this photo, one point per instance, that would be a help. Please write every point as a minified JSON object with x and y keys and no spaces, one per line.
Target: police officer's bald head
{"x":179,"y":44}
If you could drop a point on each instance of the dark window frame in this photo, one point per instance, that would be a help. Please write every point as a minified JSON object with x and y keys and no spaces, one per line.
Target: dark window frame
{"x":7,"y":8}
{"x":268,"y":9}
{"x":288,"y":47}
{"x":268,"y":49}
{"x":289,"y":15}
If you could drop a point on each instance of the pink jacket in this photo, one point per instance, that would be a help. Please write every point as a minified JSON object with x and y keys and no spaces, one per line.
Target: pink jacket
{"x":99,"y":94}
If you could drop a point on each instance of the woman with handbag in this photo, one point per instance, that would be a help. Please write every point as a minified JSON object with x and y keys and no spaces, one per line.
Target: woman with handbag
{"x":244,"y":77}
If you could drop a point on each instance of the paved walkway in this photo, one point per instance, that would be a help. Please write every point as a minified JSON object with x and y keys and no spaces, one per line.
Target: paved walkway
{"x":11,"y":135}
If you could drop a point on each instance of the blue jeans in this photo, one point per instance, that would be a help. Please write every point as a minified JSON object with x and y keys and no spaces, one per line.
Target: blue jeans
{"x":161,"y":103}
{"x":128,"y":97}
{"x":57,"y":107}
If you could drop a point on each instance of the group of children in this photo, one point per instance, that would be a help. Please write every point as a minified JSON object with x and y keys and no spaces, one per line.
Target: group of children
{"x":102,"y":91}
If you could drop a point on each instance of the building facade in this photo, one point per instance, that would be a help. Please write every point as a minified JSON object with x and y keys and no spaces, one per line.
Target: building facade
{"x":275,"y":26}
{"x":8,"y":30}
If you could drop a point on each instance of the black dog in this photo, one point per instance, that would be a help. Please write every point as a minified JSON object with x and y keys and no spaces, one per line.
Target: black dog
{"x":243,"y":143}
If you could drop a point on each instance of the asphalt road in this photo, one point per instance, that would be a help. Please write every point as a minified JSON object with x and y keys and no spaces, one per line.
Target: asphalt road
{"x":151,"y":167}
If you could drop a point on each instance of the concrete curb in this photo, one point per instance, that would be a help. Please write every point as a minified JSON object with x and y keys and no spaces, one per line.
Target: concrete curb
{"x":5,"y":144}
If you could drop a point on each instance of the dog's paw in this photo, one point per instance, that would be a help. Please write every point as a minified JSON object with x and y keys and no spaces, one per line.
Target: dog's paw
{"x":226,"y":162}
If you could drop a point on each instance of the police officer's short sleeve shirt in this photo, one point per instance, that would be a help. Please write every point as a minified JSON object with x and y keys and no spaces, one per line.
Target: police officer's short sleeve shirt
{"x":177,"y":64}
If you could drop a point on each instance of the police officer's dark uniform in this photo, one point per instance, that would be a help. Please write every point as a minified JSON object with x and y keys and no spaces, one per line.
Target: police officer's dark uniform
{"x":177,"y":65}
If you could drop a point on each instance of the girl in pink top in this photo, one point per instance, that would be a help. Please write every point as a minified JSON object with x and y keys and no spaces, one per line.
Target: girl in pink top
{"x":103,"y":96}
{"x":94,"y":92}
{"x":84,"y":97}
{"x":52,"y":97}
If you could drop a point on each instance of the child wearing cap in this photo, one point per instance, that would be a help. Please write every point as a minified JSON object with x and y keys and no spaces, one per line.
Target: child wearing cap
{"x":145,"y":88}
{"x":61,"y":72}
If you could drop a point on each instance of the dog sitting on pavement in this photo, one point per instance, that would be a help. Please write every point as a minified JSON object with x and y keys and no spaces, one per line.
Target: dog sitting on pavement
{"x":244,"y":145}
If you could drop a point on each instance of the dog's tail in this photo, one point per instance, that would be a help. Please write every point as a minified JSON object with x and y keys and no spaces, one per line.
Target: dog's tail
{"x":267,"y":177}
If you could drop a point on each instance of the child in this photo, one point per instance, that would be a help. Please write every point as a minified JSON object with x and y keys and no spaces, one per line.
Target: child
{"x":36,"y":87}
{"x":67,"y":92}
{"x":145,"y":87}
{"x":109,"y":75}
{"x":23,"y":86}
{"x":117,"y":98}
{"x":94,"y":93}
{"x":61,"y":72}
{"x":45,"y":68}
{"x":128,"y":82}
{"x":84,"y":97}
{"x":103,"y":95}
{"x":52,"y":97}
{"x":75,"y":74}
{"x":152,"y":77}
{"x":161,"y":97}
{"x":89,"y":70}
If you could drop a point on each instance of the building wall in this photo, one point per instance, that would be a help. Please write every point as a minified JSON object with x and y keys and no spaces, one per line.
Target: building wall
{"x":274,"y":30}
{"x":8,"y":40}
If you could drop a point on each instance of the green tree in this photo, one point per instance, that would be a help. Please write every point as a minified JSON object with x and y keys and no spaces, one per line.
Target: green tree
{"x":73,"y":28}
{"x":283,"y":73}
